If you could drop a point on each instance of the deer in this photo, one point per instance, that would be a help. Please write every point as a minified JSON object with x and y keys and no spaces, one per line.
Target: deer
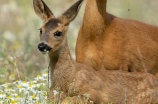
{"x":109,"y":42}
{"x":105,"y":86}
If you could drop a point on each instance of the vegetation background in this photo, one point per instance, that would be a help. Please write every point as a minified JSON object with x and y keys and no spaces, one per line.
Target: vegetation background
{"x":19,"y":34}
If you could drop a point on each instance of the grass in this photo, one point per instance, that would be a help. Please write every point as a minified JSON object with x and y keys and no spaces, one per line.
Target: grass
{"x":34,"y":92}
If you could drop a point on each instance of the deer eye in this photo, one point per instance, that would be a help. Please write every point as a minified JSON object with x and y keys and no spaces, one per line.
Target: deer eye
{"x":57,"y":34}
{"x":40,"y":32}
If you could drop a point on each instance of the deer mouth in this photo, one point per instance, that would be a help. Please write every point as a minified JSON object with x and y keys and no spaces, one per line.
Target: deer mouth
{"x":48,"y":48}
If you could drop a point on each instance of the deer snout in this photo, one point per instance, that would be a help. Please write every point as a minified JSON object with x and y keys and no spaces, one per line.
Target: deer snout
{"x":44,"y":47}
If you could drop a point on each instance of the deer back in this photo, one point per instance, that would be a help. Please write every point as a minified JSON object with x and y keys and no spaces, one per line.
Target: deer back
{"x":109,"y":42}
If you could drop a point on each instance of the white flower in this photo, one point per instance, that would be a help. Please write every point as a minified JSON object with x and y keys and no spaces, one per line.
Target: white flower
{"x":2,"y":95}
{"x":9,"y":36}
{"x":88,"y":95}
{"x":45,"y":75}
{"x":91,"y":101}
{"x":5,"y":85}
{"x":43,"y":84}
{"x":14,"y":94}
{"x":79,"y":96}
{"x":37,"y":85}
{"x":34,"y":91}
{"x":8,"y":89}
{"x":25,"y":84}
{"x":13,"y":90}
{"x":34,"y":81}
{"x":19,"y":82}
{"x":21,"y":99}
{"x":21,"y":89}
{"x":38,"y":78}
{"x":30,"y":98}
{"x":1,"y":101}
{"x":55,"y":92}
{"x":16,"y":82}
{"x":27,"y":89}
{"x":11,"y":58}
{"x":0,"y":89}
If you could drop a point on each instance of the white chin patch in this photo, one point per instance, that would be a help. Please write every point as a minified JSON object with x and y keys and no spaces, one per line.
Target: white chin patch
{"x":45,"y":52}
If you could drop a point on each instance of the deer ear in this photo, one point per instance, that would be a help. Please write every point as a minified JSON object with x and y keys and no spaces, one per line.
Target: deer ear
{"x":71,"y":13}
{"x":42,"y":10}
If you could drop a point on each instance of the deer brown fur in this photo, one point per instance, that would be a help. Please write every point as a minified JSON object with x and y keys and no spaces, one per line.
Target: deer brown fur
{"x":103,"y":85}
{"x":106,"y":41}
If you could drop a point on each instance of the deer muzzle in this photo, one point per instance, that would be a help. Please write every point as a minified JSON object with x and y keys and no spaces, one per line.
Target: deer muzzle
{"x":44,"y":47}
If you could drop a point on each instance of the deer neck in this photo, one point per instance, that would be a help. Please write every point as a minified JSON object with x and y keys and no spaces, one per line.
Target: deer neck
{"x":61,"y":67}
{"x":95,"y":16}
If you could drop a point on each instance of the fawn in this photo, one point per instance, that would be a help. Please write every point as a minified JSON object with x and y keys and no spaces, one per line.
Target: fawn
{"x":109,"y":42}
{"x":103,"y":85}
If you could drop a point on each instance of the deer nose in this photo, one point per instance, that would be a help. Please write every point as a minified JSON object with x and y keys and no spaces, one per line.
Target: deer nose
{"x":43,"y":47}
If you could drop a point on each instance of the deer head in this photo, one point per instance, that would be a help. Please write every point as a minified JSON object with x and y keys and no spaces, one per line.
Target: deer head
{"x":53,"y":32}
